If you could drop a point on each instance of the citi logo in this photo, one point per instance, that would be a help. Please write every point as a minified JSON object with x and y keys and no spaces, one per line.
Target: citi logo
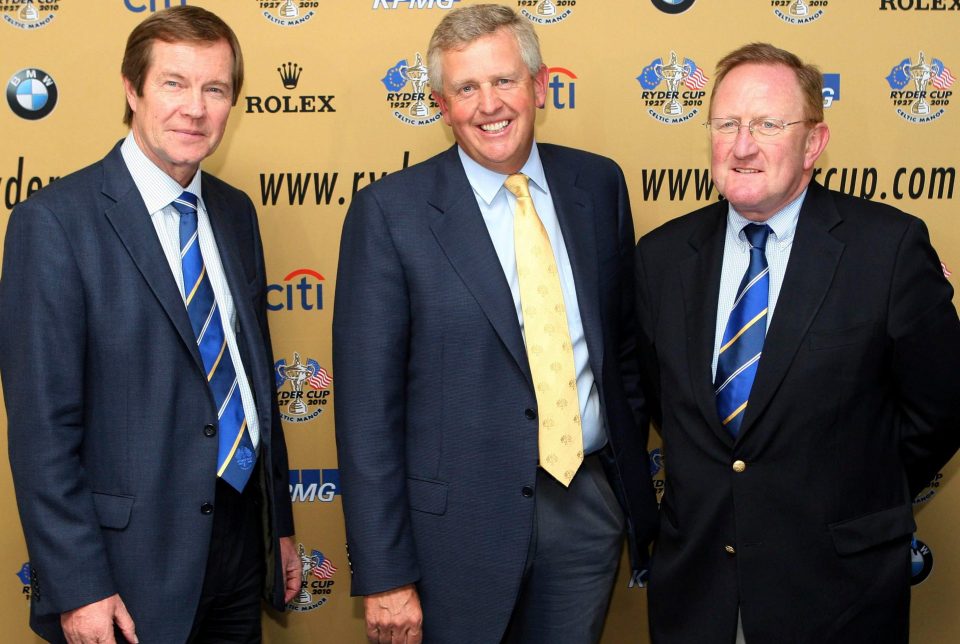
{"x":563,"y":92}
{"x":304,"y":294}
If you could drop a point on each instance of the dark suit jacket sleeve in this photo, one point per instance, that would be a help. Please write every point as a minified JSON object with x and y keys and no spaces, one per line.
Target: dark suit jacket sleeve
{"x":646,"y":349}
{"x":370,"y":351}
{"x":926,"y":332}
{"x":42,"y":347}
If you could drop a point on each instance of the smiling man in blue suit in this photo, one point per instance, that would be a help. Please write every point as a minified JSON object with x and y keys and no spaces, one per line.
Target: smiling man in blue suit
{"x":489,"y":428}
{"x":145,"y":444}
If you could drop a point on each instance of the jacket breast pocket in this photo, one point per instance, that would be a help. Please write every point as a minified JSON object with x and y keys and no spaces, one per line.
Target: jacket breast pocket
{"x":113,"y":511}
{"x":842,"y":337}
{"x":427,"y":495}
{"x":856,"y":535}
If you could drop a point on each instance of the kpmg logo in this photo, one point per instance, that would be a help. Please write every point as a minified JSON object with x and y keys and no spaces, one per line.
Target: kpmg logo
{"x":831,"y":89}
{"x":31,"y":93}
{"x":139,"y":6}
{"x":316,"y":580}
{"x":921,"y":561}
{"x":662,"y":95}
{"x":30,"y":14}
{"x":673,"y":6}
{"x":289,"y":75}
{"x":25,"y":578}
{"x":303,"y":294}
{"x":406,"y":95}
{"x":546,"y":12}
{"x":287,"y":13}
{"x":308,"y":392}
{"x":920,"y":90}
{"x":799,"y":12}
{"x":314,"y":486}
{"x":413,"y":4}
{"x":563,"y":92}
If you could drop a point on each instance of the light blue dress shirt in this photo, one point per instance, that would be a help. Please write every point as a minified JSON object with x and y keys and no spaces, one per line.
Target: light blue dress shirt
{"x":497,"y":206}
{"x":736,"y":258}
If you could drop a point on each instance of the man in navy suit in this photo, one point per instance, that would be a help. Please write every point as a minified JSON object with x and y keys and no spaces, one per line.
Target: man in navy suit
{"x":788,"y":494}
{"x":147,"y":454}
{"x":455,"y":532}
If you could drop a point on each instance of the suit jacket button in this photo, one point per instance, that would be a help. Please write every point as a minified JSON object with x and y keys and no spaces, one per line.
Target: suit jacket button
{"x":209,"y":430}
{"x":739,"y":467}
{"x":527,"y":491}
{"x":730,"y":550}
{"x":206,"y":508}
{"x":530,"y":413}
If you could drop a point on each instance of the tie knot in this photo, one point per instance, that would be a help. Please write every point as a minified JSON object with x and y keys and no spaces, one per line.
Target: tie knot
{"x":756,"y":234}
{"x":186,"y":203}
{"x":517,"y":184}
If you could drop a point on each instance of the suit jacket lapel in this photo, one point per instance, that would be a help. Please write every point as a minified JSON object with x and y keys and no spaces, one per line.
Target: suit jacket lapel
{"x":463,"y":237}
{"x":129,"y":217}
{"x":700,"y":278}
{"x":575,"y":212}
{"x":813,"y":261}
{"x":248,"y":336}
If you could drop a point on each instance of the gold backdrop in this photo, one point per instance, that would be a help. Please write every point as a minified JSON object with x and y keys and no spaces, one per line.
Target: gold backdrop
{"x":330,"y":105}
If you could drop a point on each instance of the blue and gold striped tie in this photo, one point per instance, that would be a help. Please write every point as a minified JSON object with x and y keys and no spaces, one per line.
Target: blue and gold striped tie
{"x":235,"y":454}
{"x":743,"y":337}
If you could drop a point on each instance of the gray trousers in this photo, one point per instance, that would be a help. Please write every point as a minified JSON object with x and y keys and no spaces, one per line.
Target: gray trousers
{"x":572,"y":561}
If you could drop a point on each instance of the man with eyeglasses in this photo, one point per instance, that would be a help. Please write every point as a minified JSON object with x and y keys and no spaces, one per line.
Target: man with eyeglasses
{"x":801,"y":355}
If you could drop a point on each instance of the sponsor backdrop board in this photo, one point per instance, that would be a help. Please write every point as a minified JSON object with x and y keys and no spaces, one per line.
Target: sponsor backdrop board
{"x":331,"y":104}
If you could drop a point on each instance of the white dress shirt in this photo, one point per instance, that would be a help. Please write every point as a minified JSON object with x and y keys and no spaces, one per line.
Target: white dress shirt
{"x":159,"y":190}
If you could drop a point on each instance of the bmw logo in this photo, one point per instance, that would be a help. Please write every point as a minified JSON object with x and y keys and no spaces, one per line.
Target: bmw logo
{"x":673,"y":6}
{"x":31,"y":94}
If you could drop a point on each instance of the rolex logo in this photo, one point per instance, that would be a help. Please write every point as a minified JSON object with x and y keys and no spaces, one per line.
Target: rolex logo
{"x":289,"y":74}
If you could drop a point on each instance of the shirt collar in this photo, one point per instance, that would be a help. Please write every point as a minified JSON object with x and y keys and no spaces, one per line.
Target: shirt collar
{"x":487,"y":183}
{"x":783,"y":223}
{"x":157,"y":188}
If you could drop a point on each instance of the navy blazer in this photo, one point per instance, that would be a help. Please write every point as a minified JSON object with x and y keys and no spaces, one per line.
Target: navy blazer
{"x":107,"y":400}
{"x":435,"y":421}
{"x":855,"y":406}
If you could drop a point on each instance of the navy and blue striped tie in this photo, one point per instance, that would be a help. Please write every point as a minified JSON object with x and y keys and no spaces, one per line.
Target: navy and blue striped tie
{"x":743,"y":337}
{"x":235,"y":454}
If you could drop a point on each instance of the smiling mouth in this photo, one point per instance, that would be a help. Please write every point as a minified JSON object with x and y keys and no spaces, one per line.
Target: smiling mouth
{"x":493,"y":128}
{"x":746,"y":171}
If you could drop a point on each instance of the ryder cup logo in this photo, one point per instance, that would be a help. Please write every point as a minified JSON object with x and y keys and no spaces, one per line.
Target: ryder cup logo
{"x":30,"y":14}
{"x":287,"y":13}
{"x":932,"y":487}
{"x":308,"y":392}
{"x":26,"y":579}
{"x":316,"y":580}
{"x":31,"y":94}
{"x":411,"y":107}
{"x":672,"y":92}
{"x":798,"y":12}
{"x":920,"y":90}
{"x":656,"y":472}
{"x":546,"y":12}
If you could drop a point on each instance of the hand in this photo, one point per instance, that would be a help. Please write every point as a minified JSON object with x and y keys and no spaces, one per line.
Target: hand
{"x":290,"y":560}
{"x":394,"y":616}
{"x":94,"y":622}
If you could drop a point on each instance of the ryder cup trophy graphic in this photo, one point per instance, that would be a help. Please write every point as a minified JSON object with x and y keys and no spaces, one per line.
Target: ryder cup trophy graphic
{"x":798,"y":8}
{"x":546,"y":8}
{"x":306,"y":565}
{"x":297,"y":374}
{"x":288,"y":9}
{"x":29,"y":13}
{"x":673,"y":74}
{"x":417,"y":75}
{"x":921,"y":73}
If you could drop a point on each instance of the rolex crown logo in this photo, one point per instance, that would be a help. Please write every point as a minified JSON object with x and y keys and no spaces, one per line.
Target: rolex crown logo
{"x":289,"y":74}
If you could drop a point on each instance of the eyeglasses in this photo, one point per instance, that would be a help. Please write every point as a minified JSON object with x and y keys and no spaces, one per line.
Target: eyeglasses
{"x":765,"y":125}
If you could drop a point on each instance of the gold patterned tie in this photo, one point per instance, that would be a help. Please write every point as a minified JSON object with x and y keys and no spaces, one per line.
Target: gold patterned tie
{"x":549,"y":349}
